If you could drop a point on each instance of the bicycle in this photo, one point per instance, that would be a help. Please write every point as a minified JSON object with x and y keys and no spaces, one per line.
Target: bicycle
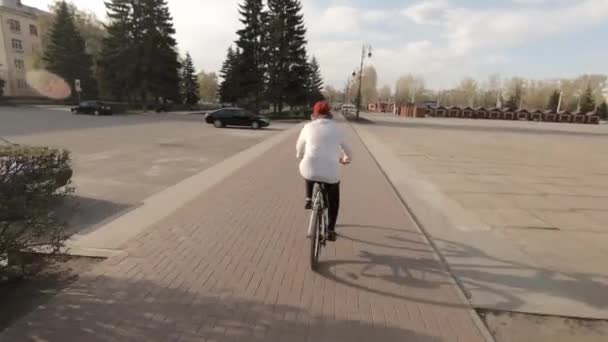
{"x":319,"y":224}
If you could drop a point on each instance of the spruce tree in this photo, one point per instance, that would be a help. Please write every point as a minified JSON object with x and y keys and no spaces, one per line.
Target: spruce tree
{"x":118,"y":53}
{"x":554,"y":101}
{"x":252,"y":39}
{"x":139,"y":57}
{"x":157,"y":71}
{"x":299,"y":71}
{"x":587,"y":100}
{"x":288,"y":69}
{"x":315,"y":83}
{"x":66,"y":56}
{"x":225,"y":74}
{"x":189,"y":80}
{"x":228,"y":89}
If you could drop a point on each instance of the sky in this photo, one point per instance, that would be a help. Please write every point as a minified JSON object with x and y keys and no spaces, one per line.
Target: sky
{"x":439,"y":40}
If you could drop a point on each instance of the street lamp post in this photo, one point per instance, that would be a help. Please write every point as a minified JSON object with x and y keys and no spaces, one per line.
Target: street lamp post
{"x":559,"y":103}
{"x":350,"y":80}
{"x":579,"y":93}
{"x":561,"y":96}
{"x":365,"y":51}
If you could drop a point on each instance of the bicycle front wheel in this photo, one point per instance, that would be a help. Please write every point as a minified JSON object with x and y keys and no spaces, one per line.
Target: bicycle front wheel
{"x":315,"y":239}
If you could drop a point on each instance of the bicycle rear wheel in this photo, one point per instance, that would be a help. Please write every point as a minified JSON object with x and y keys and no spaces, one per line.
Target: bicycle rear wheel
{"x":315,"y":239}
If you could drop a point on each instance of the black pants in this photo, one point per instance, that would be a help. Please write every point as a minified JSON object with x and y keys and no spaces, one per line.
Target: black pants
{"x":333,"y":192}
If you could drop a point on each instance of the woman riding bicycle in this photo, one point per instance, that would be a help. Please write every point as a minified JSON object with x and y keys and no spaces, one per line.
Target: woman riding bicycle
{"x":322,"y":147}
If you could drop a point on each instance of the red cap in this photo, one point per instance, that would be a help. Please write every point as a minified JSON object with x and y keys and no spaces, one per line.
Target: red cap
{"x":321,"y":108}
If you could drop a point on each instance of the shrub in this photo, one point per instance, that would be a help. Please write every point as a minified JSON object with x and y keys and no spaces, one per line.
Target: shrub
{"x":298,"y":113}
{"x":33,"y":182}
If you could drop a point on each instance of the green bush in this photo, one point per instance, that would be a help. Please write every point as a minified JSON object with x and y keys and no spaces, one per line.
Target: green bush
{"x":33,"y":183}
{"x":293,"y":114}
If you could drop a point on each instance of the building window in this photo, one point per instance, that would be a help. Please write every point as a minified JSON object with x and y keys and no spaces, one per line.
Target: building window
{"x":19,"y":64}
{"x":33,"y":30}
{"x":21,"y":84}
{"x":17,"y":44}
{"x":14,"y":25}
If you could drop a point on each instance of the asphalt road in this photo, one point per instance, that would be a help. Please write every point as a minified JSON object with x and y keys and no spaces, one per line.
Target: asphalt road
{"x":31,"y":120}
{"x":119,"y":161}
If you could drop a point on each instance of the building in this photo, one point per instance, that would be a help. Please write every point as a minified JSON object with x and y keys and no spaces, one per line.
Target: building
{"x":415,"y":110}
{"x":381,"y":107}
{"x":20,"y":43}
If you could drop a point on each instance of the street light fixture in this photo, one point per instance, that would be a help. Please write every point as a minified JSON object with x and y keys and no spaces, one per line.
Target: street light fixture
{"x":365,"y":51}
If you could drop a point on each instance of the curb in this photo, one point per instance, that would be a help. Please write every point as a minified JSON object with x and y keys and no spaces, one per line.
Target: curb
{"x":108,"y":240}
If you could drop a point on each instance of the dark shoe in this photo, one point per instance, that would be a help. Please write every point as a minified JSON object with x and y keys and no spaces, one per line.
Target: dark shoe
{"x":308,"y":205}
{"x":332,"y":236}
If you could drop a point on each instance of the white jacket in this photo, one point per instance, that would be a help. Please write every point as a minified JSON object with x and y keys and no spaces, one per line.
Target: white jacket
{"x":320,"y":146}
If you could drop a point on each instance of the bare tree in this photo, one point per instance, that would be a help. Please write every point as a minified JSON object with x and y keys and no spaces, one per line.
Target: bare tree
{"x":466,"y":92}
{"x":369,"y":88}
{"x":514,"y":92}
{"x":332,"y":94}
{"x":385,"y":93}
{"x":208,"y":86}
{"x":409,"y":88}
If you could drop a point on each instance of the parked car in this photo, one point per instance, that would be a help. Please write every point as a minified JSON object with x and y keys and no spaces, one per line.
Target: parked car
{"x":236,"y":117}
{"x":349,"y":108}
{"x":92,"y":107}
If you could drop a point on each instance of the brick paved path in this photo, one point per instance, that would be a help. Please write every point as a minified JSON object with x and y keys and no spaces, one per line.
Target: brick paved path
{"x":233,"y":266}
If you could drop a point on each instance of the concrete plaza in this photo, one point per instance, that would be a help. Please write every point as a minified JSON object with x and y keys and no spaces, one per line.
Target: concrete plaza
{"x":518,"y":209}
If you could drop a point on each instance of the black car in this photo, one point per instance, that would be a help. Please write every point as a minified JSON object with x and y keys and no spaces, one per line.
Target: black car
{"x":236,"y":117}
{"x":92,"y":107}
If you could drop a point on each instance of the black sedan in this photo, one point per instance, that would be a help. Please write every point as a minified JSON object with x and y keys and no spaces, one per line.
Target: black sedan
{"x":236,"y":117}
{"x":92,"y":107}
